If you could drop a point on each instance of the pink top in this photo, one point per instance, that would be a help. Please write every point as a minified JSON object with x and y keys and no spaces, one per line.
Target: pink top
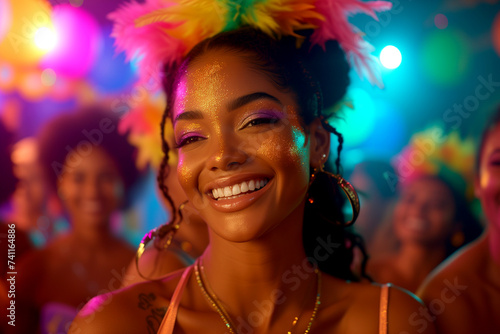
{"x":168,"y":323}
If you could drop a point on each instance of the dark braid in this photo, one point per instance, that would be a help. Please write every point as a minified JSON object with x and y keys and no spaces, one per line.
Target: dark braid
{"x":340,"y":138}
{"x":164,"y":168}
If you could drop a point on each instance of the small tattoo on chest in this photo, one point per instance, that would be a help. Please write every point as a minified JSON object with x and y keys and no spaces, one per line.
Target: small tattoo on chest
{"x":155,"y":314}
{"x":146,"y":300}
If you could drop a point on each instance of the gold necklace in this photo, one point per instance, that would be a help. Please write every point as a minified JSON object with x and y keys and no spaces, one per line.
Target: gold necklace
{"x":226,"y":318}
{"x":216,"y":305}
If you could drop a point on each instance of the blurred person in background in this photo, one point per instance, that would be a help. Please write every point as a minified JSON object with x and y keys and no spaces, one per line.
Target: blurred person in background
{"x":377,"y":196}
{"x":11,"y":237}
{"x":432,"y":217}
{"x":165,"y":250}
{"x":35,"y":209}
{"x":8,"y":180}
{"x":91,"y":166}
{"x":464,"y":292}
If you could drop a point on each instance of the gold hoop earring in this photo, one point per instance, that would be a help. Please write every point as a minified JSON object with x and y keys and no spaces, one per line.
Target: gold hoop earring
{"x":158,"y":233}
{"x":327,"y":179}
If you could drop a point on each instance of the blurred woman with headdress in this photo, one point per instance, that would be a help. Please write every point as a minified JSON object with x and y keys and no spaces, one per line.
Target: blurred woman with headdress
{"x":432,"y":217}
{"x":463,"y":293}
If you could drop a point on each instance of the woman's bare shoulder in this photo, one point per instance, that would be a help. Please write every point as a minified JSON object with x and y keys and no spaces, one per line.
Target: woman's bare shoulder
{"x":462,"y":267}
{"x":363,"y":301}
{"x":453,"y":291}
{"x":138,"y":308}
{"x":407,"y":313}
{"x":154,"y":264}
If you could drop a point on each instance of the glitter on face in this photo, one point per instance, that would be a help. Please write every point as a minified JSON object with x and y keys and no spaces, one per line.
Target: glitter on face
{"x":224,"y":138}
{"x":184,"y":173}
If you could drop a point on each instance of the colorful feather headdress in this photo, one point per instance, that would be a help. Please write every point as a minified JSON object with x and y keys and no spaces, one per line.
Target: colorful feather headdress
{"x":142,"y":124}
{"x":447,"y":156}
{"x":159,"y":32}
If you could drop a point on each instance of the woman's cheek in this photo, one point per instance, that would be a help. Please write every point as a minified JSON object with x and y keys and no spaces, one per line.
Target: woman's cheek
{"x":289,"y":149}
{"x":184,"y":173}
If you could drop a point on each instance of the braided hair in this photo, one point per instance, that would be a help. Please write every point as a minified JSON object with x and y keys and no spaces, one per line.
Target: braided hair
{"x":319,"y":78}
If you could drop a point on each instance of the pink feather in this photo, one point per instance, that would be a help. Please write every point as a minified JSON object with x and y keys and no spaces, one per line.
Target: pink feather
{"x":149,"y":44}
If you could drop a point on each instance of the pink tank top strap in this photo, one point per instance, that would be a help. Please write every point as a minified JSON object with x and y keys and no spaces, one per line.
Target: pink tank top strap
{"x":168,"y":323}
{"x":384,"y":303}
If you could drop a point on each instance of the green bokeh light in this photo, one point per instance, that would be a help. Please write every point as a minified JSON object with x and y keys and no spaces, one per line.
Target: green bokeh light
{"x":445,"y":57}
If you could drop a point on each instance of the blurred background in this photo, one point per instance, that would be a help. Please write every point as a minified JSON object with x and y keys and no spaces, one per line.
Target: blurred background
{"x":443,"y":67}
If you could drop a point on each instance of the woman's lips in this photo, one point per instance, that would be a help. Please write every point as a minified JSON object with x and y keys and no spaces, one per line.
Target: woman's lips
{"x":232,"y":201}
{"x":416,"y":224}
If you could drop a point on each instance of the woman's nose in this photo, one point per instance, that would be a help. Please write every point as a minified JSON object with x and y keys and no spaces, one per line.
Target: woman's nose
{"x":92,"y":188}
{"x":228,"y":152}
{"x":418,"y":208}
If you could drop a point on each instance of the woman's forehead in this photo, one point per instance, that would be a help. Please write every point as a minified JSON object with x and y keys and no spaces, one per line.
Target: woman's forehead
{"x":220,"y":68}
{"x":218,"y":77}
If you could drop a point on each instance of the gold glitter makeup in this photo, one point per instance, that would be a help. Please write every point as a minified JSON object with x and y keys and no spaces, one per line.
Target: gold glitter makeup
{"x":241,"y":124}
{"x":289,"y":137}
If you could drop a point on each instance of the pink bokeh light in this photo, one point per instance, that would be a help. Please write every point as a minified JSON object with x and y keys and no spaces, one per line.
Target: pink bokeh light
{"x":77,"y":42}
{"x":441,"y":21}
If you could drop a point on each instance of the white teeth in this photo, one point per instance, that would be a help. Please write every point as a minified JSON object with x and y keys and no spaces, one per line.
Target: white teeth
{"x":244,"y":187}
{"x":237,"y":189}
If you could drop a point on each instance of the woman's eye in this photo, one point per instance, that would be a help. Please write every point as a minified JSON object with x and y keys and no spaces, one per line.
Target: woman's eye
{"x":107,"y":177}
{"x":78,"y":178}
{"x":495,"y":162}
{"x":259,"y":121}
{"x":438,"y":205}
{"x":188,"y":140}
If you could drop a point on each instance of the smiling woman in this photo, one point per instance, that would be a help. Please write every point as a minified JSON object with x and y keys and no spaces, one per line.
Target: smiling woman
{"x":91,"y":167}
{"x":249,"y":112}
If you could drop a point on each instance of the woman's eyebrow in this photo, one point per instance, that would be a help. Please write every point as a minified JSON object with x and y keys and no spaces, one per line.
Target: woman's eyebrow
{"x":245,"y":99}
{"x":189,"y":115}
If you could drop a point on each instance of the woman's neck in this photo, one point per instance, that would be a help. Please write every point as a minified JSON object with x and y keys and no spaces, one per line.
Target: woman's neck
{"x":91,"y":235}
{"x":416,"y":258}
{"x":262,"y":274}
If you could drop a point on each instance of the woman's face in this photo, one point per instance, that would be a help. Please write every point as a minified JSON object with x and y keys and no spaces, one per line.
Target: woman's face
{"x":243,"y":156}
{"x":488,"y":183}
{"x":31,"y":192}
{"x":92,"y":190}
{"x":425,"y":212}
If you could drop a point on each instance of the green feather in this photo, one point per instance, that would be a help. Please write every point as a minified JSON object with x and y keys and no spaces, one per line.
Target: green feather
{"x":237,"y":8}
